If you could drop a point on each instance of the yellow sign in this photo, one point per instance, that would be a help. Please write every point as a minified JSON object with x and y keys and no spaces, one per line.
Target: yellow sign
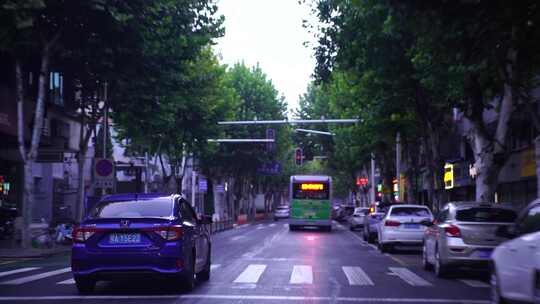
{"x":528,"y":163}
{"x":448,"y":176}
{"x":312,"y":187}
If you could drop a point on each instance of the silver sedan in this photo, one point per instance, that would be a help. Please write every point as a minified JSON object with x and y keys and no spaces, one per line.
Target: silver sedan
{"x":464,"y":234}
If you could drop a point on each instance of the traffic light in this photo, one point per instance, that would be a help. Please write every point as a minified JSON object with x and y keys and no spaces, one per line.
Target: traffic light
{"x":298,"y":156}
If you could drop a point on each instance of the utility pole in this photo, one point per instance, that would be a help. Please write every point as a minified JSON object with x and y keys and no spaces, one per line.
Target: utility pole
{"x":372,"y":193}
{"x":193,"y":186}
{"x":145,"y":172}
{"x":398,"y":162}
{"x":105,"y":122}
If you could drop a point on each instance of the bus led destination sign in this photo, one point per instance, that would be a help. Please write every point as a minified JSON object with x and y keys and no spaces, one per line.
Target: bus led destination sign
{"x":311,"y":186}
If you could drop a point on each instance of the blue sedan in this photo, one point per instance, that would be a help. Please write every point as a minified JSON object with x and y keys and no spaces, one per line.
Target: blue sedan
{"x":143,"y":235}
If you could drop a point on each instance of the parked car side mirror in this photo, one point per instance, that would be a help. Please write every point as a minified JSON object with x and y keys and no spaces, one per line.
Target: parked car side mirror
{"x":426,"y":223}
{"x":508,"y":232}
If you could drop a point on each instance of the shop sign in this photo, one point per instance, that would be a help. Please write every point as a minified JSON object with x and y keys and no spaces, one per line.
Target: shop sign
{"x":448,"y":176}
{"x":528,"y":163}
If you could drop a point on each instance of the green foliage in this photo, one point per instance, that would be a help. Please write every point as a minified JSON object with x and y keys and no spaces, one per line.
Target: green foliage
{"x":403,"y":65}
{"x":255,"y":97}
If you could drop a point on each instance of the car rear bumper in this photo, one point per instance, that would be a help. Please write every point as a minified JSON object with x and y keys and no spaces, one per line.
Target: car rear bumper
{"x":402,"y":237}
{"x":113,"y":264}
{"x":456,"y":252}
{"x":300,"y":222}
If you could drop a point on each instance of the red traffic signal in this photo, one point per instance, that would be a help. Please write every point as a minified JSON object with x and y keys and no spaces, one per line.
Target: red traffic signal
{"x":298,"y":156}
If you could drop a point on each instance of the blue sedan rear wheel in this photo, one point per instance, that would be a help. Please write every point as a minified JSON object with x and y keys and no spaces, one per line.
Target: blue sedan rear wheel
{"x":204,"y":275}
{"x":187,"y":281}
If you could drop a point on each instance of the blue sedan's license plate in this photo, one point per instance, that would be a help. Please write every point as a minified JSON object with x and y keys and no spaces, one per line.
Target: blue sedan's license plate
{"x":412,"y":225}
{"x":124,"y":238}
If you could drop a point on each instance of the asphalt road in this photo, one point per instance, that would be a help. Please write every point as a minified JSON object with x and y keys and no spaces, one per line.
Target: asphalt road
{"x":263,"y":263}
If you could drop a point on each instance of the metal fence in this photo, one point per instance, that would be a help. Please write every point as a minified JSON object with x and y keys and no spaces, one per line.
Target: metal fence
{"x":220,"y":226}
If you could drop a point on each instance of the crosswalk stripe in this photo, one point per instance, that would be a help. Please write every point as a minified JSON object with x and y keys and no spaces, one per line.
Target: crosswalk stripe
{"x":6,"y":273}
{"x":67,"y":282}
{"x":271,"y":225}
{"x":356,"y":276}
{"x":301,"y":274}
{"x":251,"y":274}
{"x":36,"y":277}
{"x":475,"y":283}
{"x":408,"y":276}
{"x":285,"y":225}
{"x":214,"y":266}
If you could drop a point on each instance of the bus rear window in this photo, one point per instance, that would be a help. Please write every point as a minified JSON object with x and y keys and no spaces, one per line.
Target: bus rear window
{"x":311,"y":190}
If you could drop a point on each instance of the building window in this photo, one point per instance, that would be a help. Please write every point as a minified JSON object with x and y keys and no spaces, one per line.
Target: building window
{"x":56,"y":88}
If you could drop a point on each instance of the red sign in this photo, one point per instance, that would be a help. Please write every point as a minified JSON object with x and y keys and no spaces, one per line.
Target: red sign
{"x":362,"y":181}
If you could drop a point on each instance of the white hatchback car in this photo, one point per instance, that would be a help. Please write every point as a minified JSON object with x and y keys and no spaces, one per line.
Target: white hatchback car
{"x":402,"y":225}
{"x":515,"y":268}
{"x":357,"y":219}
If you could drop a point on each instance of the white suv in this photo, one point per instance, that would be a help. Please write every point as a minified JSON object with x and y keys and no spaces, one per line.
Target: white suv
{"x":515,"y":269}
{"x":403,"y":225}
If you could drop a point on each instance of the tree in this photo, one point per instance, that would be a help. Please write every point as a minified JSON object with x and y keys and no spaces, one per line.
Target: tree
{"x":487,"y":63}
{"x":415,"y":61}
{"x":255,"y":98}
{"x":37,"y":29}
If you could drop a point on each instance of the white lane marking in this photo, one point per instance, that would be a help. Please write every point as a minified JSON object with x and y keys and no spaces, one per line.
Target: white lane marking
{"x":36,"y":277}
{"x":475,"y":283}
{"x":67,"y":282}
{"x":260,"y":227}
{"x":285,"y":225}
{"x":238,"y":237}
{"x":6,"y":273}
{"x":301,"y":274}
{"x":214,"y":266}
{"x":248,"y":297}
{"x":251,"y":274}
{"x":271,"y":225}
{"x":408,"y":276}
{"x":356,"y":276}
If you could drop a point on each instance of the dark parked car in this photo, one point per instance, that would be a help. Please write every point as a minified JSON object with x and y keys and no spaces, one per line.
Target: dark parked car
{"x":141,"y":235}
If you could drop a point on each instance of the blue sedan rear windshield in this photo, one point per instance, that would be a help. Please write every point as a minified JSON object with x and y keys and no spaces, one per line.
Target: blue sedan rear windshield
{"x":134,"y":209}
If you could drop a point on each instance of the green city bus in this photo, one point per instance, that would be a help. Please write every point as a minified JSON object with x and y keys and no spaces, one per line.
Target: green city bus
{"x":311,"y":201}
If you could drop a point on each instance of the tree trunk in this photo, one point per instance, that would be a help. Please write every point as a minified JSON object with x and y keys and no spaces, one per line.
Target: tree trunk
{"x":80,"y":207}
{"x":29,"y":158}
{"x":487,"y":175}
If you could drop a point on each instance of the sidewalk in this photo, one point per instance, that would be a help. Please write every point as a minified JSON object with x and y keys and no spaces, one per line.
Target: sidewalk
{"x":8,"y":250}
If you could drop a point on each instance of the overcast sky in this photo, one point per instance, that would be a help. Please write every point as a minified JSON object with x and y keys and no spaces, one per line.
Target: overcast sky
{"x":269,"y":32}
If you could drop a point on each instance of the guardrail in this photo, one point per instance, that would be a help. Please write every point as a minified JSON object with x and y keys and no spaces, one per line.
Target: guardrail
{"x":220,"y":226}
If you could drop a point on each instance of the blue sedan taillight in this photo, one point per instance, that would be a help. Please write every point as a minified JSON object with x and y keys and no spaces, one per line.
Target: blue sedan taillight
{"x":82,"y":234}
{"x":170,"y":233}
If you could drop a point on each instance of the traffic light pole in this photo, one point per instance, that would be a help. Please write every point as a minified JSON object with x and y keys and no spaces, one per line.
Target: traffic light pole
{"x":287,"y":121}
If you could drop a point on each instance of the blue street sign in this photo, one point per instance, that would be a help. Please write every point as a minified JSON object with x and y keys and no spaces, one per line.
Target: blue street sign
{"x":273,"y":168}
